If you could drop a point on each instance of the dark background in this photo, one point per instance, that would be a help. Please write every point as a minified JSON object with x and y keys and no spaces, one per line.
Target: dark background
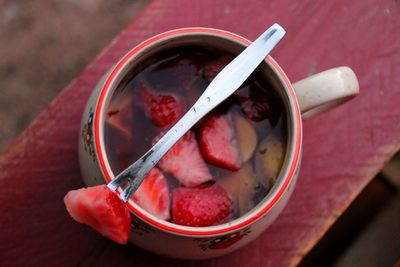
{"x":43,"y":46}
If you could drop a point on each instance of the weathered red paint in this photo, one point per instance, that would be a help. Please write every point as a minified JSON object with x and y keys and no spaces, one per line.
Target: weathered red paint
{"x":342,"y":149}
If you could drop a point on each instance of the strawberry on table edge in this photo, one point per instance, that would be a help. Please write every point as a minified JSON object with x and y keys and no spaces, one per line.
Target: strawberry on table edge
{"x":102,"y":210}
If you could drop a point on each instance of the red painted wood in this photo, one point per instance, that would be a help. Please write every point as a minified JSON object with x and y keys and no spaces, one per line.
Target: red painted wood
{"x":343,"y":149}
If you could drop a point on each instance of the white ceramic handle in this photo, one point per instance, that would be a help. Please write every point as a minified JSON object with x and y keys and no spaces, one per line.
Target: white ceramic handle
{"x":325,"y":90}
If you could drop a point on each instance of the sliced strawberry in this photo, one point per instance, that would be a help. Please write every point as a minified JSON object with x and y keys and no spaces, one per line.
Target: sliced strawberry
{"x":214,"y":67}
{"x":163,"y":108}
{"x":120,"y":113}
{"x":203,"y":206}
{"x":101,"y":209}
{"x":184,"y":161}
{"x":153,"y":195}
{"x":256,"y":103}
{"x":218,"y":143}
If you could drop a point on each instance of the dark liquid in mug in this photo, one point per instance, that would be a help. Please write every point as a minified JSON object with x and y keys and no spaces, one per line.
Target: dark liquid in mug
{"x":256,"y":112}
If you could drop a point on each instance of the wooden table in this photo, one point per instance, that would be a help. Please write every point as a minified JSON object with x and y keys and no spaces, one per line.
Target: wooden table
{"x":343,"y":149}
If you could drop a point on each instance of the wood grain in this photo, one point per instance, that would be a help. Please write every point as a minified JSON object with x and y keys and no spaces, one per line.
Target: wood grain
{"x":343,"y":149}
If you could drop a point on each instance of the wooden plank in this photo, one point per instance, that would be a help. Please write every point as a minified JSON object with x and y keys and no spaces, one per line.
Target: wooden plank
{"x":343,"y":149}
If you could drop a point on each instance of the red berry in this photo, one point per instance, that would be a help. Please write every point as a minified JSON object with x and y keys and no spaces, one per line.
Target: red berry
{"x":153,"y":195}
{"x":162,"y":108}
{"x":185,"y":163}
{"x":218,"y":143}
{"x":202,"y":206}
{"x":101,"y":209}
{"x":255,"y":103}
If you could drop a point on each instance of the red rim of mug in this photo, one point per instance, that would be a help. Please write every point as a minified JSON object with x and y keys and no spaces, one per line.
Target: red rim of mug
{"x":170,"y":228}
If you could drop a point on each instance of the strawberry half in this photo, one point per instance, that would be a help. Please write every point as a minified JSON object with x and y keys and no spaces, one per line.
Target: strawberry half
{"x":153,"y":195}
{"x":184,"y":161}
{"x":101,"y":209}
{"x":163,"y":109}
{"x":257,"y":104}
{"x":214,"y":67}
{"x":203,"y":206}
{"x":218,"y":143}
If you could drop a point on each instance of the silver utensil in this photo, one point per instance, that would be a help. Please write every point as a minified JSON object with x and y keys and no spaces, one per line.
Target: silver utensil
{"x":224,"y":84}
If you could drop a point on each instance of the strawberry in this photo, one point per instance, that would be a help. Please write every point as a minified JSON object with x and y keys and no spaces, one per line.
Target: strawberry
{"x":202,"y":206}
{"x":153,"y":195}
{"x":218,"y":143}
{"x":101,"y":209}
{"x":120,"y":113}
{"x":256,"y":103}
{"x":162,"y":108}
{"x":214,"y":67}
{"x":184,"y":161}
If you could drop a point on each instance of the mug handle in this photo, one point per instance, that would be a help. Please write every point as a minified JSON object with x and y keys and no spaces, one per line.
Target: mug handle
{"x":325,"y":90}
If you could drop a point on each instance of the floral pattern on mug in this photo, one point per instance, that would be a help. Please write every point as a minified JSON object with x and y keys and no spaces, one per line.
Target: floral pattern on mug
{"x":87,"y":135}
{"x":222,"y":242}
{"x":140,"y":228}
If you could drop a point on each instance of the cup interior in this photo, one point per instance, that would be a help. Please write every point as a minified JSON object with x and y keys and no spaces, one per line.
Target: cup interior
{"x":144,"y":54}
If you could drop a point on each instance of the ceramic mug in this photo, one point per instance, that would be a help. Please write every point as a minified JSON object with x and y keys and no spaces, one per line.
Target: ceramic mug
{"x":305,"y":98}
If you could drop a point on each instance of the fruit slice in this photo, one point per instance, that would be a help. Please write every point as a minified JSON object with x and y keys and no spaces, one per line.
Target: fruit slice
{"x":202,"y":206}
{"x":214,"y":67}
{"x":120,"y":113}
{"x":256,"y":103}
{"x":248,"y":186}
{"x":153,"y":195}
{"x":162,"y":108}
{"x":269,"y":159}
{"x":184,"y":161}
{"x":218,"y":143}
{"x":246,"y":136}
{"x":101,"y":209}
{"x":242,"y":186}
